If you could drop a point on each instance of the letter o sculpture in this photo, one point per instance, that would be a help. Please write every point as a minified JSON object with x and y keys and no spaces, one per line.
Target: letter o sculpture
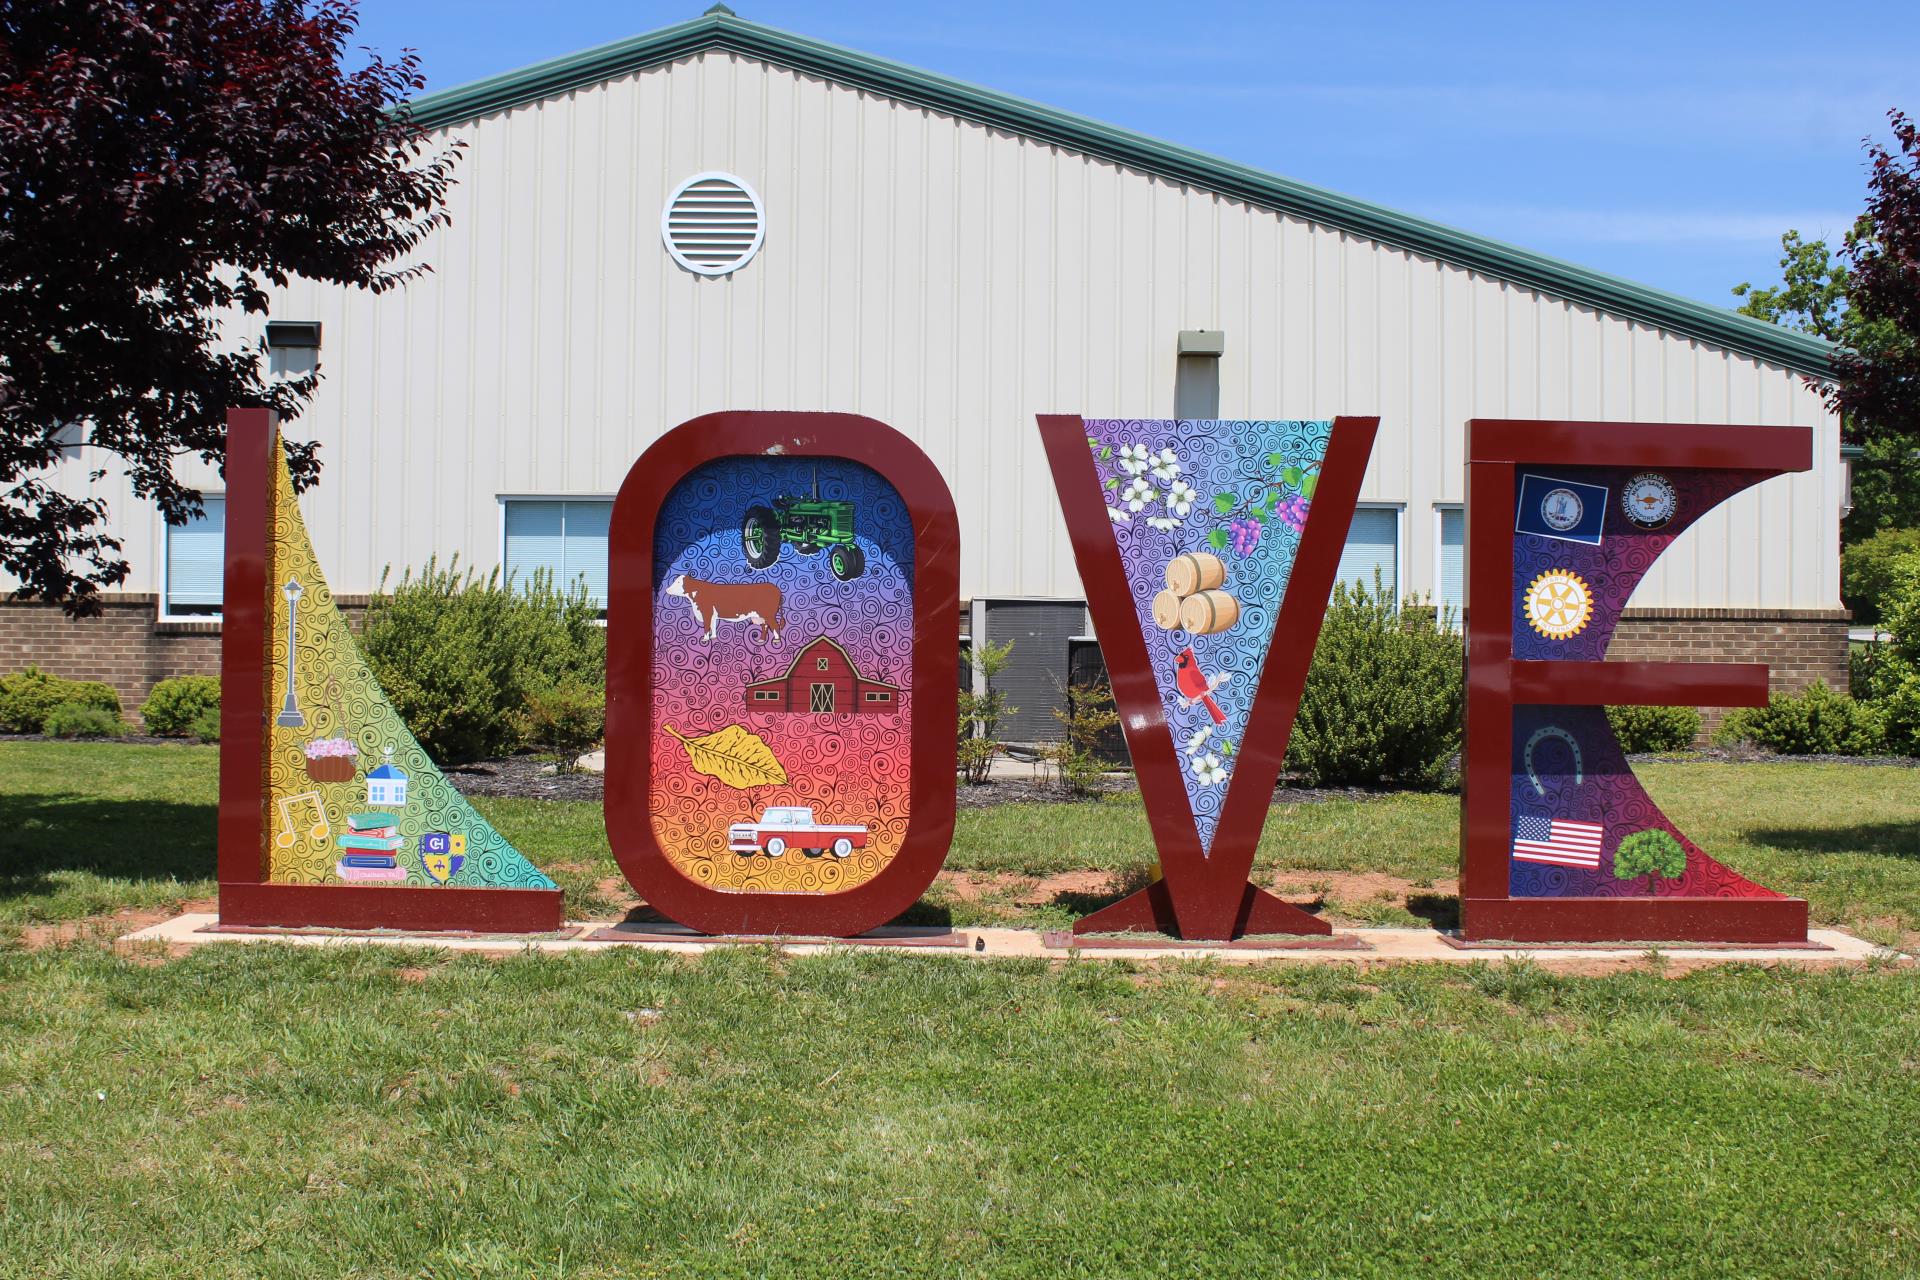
{"x":782,"y":673}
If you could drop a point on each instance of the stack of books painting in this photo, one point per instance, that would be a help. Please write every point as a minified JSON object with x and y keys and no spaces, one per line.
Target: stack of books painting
{"x":368,"y":847}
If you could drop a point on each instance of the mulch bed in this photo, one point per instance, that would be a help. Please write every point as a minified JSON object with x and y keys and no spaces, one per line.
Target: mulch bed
{"x":135,"y":739}
{"x":522,"y":778}
{"x":1753,"y":755}
{"x":986,"y":795}
{"x":533,"y":778}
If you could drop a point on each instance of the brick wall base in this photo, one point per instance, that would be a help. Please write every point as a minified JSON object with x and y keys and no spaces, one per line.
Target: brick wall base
{"x":129,"y":648}
{"x":1799,"y":646}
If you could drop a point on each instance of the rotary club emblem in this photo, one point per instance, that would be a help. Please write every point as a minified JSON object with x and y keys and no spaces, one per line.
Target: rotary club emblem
{"x":1558,"y":604}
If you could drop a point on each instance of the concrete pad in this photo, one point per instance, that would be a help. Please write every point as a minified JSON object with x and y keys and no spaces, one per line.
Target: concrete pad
{"x":1835,"y":948}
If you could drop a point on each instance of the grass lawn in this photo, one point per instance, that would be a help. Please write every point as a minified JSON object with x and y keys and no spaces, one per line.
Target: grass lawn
{"x":273,"y":1111}
{"x":279,"y":1111}
{"x":96,"y":827}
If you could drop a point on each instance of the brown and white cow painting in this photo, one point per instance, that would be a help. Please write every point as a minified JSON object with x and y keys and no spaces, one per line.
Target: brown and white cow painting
{"x":717,"y":602}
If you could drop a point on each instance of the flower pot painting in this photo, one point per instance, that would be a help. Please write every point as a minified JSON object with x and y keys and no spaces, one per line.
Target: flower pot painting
{"x":331,"y":759}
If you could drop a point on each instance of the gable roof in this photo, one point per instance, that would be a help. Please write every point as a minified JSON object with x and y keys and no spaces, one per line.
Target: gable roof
{"x":720,"y":29}
{"x":809,"y":647}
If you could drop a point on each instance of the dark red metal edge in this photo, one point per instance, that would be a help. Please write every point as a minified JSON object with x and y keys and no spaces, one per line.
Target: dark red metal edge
{"x":1546,"y":442}
{"x":1202,"y":897}
{"x":1640,"y":684}
{"x":352,"y":906}
{"x":1756,"y":920}
{"x":242,"y":842}
{"x":935,"y":679}
{"x":1496,"y":448}
{"x":246,"y":897}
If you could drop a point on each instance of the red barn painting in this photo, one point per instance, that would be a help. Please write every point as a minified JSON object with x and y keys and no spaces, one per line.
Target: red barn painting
{"x":822,"y":680}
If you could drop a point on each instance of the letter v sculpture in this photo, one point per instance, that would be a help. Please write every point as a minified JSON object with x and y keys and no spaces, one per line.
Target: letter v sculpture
{"x":1207,"y":550}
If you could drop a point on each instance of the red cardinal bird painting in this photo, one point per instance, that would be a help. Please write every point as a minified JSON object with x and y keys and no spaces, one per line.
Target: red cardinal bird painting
{"x":1196,"y":687}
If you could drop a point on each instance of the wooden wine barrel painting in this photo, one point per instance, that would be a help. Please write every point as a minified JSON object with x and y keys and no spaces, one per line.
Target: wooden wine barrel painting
{"x":1194,"y":572}
{"x":1209,"y":612}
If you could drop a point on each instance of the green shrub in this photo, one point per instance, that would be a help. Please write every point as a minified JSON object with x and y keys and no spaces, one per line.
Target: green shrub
{"x":566,"y":720}
{"x":1813,"y":723}
{"x":206,"y":726}
{"x":1383,"y":696}
{"x":1900,"y":611}
{"x":80,"y":720}
{"x":458,"y":654}
{"x":1654,"y":728}
{"x":175,"y":704}
{"x":981,"y":713}
{"x":1888,"y":675}
{"x":28,"y":697}
{"x":1868,"y":570}
{"x":1087,"y":718}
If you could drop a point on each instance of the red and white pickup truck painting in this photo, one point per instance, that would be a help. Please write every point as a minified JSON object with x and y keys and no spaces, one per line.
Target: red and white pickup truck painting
{"x":785,"y":827}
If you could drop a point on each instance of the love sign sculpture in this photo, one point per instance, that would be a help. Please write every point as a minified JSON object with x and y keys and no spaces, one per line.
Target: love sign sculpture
{"x":782,"y":677}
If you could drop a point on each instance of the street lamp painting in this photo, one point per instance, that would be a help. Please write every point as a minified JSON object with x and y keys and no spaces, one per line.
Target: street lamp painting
{"x":290,"y":716}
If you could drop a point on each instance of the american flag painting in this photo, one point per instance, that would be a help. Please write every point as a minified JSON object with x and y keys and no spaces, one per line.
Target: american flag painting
{"x":1556,"y":841}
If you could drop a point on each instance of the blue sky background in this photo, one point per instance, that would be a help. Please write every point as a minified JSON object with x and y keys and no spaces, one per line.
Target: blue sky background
{"x":1669,"y":143}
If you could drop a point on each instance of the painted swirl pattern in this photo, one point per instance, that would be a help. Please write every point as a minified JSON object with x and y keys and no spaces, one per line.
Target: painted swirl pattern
{"x":1576,"y":772}
{"x":1233,"y":498}
{"x":351,"y":796}
{"x":783,"y":604}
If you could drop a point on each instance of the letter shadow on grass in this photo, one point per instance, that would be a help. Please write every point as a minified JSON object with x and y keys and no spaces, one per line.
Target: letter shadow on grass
{"x":1441,"y":910}
{"x":135,"y":840}
{"x":1882,"y":839}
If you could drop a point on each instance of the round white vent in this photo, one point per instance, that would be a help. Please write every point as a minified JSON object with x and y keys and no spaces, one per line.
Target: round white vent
{"x":713,"y":223}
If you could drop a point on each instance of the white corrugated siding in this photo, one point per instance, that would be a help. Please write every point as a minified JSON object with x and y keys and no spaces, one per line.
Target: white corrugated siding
{"x":953,"y":281}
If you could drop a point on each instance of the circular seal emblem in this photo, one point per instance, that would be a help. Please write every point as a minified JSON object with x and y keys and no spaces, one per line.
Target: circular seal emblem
{"x":1561,"y":509}
{"x":1558,"y":604}
{"x":1649,"y":500}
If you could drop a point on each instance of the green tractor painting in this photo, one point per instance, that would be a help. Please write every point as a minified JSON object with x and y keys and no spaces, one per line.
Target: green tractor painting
{"x":810,"y":524}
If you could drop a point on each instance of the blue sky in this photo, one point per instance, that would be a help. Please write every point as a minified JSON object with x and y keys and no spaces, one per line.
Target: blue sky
{"x":1669,"y":143}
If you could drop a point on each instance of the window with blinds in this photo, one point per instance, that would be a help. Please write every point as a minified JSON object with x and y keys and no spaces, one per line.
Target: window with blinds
{"x":567,"y":538}
{"x":1452,"y":569}
{"x":1373,"y":546}
{"x":196,"y":562}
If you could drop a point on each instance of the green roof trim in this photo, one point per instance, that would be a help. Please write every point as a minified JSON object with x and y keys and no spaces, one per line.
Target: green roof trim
{"x":720,"y":29}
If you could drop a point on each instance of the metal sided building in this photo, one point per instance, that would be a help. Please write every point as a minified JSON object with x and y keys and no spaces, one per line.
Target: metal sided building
{"x":719,"y":215}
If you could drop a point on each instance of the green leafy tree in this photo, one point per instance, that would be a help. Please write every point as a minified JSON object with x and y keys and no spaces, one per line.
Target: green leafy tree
{"x":1812,"y":293}
{"x":1654,"y":854}
{"x":1866,"y":299}
{"x":162,"y":164}
{"x":1893,"y":677}
{"x":1877,"y":392}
